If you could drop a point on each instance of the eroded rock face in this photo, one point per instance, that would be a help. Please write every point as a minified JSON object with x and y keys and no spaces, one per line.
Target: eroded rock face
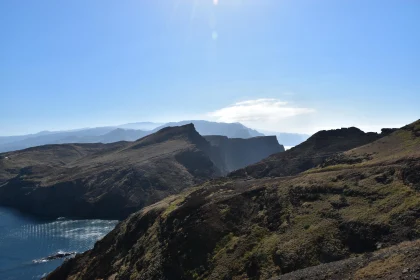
{"x":236,"y":153}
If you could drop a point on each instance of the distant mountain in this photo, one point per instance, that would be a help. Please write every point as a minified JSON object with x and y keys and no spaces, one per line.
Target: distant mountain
{"x":141,"y":125}
{"x":134,"y":131}
{"x":125,"y":132}
{"x":89,"y":135}
{"x":231,"y":130}
{"x":114,"y":180}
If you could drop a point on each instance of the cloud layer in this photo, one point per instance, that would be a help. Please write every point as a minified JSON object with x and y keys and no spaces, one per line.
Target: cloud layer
{"x":264,"y":113}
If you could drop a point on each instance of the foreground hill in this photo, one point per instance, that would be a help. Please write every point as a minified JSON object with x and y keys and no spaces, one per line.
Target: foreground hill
{"x":401,"y":261}
{"x":310,"y":153}
{"x":113,"y":180}
{"x":261,"y":228}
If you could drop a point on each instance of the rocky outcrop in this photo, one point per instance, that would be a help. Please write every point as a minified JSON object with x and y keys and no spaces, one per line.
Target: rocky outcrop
{"x":235,"y":153}
{"x":58,"y":255}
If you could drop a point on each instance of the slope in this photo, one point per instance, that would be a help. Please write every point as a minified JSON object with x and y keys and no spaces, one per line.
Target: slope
{"x":261,"y":228}
{"x":396,"y":262}
{"x":104,"y":181}
{"x":309,"y":154}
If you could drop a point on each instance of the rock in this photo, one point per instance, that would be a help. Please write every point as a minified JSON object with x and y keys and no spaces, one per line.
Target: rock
{"x":59,"y":255}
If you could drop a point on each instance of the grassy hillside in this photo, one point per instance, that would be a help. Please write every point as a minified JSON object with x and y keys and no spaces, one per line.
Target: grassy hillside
{"x":401,"y":261}
{"x":261,"y":228}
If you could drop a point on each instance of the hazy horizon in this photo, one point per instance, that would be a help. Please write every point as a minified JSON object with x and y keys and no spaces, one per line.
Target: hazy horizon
{"x":266,"y":132}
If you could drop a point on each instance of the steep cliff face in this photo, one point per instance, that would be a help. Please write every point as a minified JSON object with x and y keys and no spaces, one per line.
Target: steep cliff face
{"x":262,"y":228}
{"x":104,"y":181}
{"x":235,"y":153}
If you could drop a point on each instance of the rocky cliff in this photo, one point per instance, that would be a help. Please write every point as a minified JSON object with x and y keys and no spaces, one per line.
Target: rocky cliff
{"x":237,"y":153}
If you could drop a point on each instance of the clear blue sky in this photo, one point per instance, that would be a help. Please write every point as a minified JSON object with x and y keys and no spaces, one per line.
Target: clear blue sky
{"x":284,"y":65}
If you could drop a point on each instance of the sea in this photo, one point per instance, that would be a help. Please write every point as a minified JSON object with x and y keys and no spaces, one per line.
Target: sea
{"x":26,"y":241}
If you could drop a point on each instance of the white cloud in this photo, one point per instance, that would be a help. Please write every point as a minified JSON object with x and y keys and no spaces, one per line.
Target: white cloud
{"x":265,"y":113}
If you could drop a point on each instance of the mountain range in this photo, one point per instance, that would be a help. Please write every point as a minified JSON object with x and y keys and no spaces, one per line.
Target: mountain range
{"x":134,"y":131}
{"x":114,"y":180}
{"x":347,"y":213}
{"x":344,"y":204}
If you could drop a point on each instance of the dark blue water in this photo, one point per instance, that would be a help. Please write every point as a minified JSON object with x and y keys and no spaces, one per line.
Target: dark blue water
{"x":24,"y":239}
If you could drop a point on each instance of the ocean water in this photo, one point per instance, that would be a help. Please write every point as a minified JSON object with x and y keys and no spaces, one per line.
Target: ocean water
{"x":25,"y":241}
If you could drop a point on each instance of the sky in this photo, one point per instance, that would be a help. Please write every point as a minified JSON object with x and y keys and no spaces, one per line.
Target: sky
{"x":274,"y":65}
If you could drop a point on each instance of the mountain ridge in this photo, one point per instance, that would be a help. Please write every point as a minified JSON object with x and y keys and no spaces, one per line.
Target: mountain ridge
{"x":310,"y":153}
{"x":82,"y":180}
{"x":236,"y":228}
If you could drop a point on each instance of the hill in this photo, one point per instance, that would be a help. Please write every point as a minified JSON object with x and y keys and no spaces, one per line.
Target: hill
{"x":109,"y":180}
{"x":90,"y":135}
{"x":309,"y":154}
{"x":104,"y":181}
{"x":233,"y":228}
{"x":396,"y":262}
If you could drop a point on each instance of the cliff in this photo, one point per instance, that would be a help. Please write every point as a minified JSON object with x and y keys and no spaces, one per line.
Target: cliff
{"x":237,"y":153}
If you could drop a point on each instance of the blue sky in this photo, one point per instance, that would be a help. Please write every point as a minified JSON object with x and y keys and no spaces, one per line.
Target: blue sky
{"x":279,"y":65}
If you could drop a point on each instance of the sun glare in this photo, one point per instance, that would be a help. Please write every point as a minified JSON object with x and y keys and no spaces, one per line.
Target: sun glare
{"x":215,"y":2}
